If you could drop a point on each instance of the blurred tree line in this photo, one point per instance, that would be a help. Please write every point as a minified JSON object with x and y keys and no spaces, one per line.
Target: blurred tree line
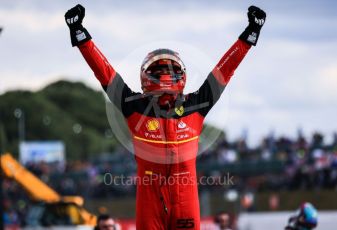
{"x":67,"y":111}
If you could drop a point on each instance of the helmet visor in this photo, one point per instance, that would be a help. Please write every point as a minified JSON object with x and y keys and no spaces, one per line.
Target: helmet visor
{"x":165,"y":67}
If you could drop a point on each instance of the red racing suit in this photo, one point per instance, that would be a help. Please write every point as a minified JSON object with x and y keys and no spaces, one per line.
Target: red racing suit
{"x":165,"y":141}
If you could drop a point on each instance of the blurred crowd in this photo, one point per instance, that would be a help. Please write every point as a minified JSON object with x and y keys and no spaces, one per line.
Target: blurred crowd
{"x":281,"y":163}
{"x":277,"y":163}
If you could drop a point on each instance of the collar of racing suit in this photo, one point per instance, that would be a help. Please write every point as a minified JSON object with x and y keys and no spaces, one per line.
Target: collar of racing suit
{"x":167,"y":101}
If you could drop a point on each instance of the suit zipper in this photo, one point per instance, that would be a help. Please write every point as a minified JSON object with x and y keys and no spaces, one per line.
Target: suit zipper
{"x":164,"y":205}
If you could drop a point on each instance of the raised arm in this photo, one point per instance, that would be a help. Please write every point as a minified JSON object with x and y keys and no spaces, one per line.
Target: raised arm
{"x":81,"y":38}
{"x":102,"y":69}
{"x":110,"y":80}
{"x":225,"y":68}
{"x":210,"y":91}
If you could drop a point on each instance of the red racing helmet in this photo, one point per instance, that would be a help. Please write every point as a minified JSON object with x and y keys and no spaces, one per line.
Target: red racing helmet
{"x":162,"y":71}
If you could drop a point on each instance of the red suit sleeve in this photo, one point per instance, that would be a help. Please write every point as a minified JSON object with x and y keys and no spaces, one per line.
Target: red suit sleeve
{"x":112,"y":83}
{"x":211,"y":90}
{"x":225,"y":68}
{"x":102,"y":69}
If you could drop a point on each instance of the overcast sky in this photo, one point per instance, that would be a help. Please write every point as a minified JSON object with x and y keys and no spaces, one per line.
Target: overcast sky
{"x":288,"y":81}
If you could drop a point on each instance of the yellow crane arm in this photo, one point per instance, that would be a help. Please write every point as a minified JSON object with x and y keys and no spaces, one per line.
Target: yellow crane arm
{"x":37,"y":189}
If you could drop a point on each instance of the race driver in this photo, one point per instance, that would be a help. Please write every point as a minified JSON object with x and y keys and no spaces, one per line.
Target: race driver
{"x":164,"y":123}
{"x":305,"y":218}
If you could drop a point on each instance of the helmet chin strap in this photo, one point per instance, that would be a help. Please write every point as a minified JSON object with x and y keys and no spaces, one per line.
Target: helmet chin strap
{"x":168,"y":100}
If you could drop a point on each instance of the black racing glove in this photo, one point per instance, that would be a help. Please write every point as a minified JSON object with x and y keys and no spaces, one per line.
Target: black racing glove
{"x":256,"y":18}
{"x":74,"y":18}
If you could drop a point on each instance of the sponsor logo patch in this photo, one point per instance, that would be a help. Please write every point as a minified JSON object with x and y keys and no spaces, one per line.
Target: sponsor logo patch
{"x":152,"y":125}
{"x":153,"y":135}
{"x":252,"y":37}
{"x":179,"y":111}
{"x":181,"y":124}
{"x":182,"y":136}
{"x":80,"y":35}
{"x":185,"y":223}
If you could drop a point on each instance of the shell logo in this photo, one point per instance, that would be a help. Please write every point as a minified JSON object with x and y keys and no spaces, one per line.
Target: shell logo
{"x":152,"y":125}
